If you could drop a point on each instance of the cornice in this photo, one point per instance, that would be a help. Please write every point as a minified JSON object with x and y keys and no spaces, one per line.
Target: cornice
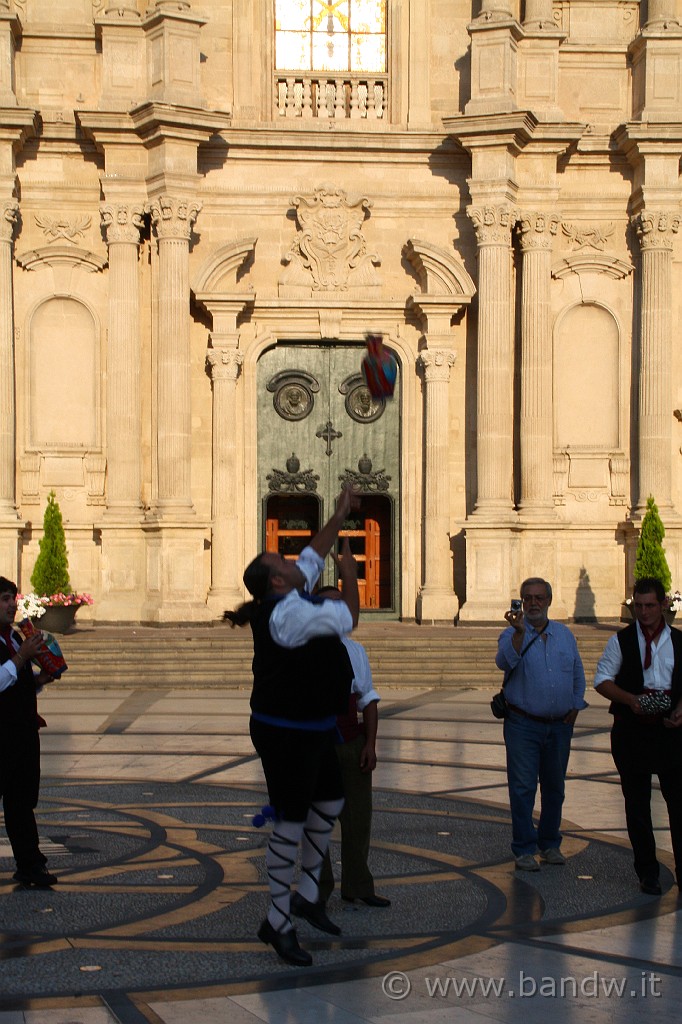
{"x":339,"y":137}
{"x":515,"y":129}
{"x":60,"y":255}
{"x":153,"y":121}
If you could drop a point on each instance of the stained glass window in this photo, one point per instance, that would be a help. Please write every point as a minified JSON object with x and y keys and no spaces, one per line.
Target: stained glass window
{"x":330,"y":35}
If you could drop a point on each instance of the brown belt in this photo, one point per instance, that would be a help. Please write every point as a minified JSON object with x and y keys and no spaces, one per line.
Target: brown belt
{"x":535,"y":718}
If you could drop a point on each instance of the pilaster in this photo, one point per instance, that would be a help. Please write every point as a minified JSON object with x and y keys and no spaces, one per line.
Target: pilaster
{"x":536,"y":231}
{"x":172,"y":219}
{"x":10,"y":34}
{"x":9,"y":214}
{"x":655,"y":231}
{"x":173,"y":55}
{"x":495,"y":34}
{"x":656,"y":58}
{"x":123,"y":46}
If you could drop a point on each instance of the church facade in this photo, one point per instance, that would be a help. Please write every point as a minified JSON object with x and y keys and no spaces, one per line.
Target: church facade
{"x":207,"y":206}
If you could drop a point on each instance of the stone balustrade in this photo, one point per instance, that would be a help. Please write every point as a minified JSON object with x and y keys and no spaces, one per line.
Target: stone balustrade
{"x":320,"y":95}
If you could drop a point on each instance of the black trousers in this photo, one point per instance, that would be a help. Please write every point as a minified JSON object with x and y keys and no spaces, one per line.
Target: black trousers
{"x":19,"y":787}
{"x":640,"y":751}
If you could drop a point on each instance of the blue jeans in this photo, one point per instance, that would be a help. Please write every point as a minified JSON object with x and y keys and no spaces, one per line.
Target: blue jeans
{"x":536,"y":752}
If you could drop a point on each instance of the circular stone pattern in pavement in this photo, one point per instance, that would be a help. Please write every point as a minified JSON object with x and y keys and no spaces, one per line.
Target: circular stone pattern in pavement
{"x":162,"y":887}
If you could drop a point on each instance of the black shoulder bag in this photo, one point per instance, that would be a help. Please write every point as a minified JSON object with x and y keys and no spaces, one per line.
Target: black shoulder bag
{"x":498,"y":705}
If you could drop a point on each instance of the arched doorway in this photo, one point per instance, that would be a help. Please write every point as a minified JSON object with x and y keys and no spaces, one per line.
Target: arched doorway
{"x":318,"y":426}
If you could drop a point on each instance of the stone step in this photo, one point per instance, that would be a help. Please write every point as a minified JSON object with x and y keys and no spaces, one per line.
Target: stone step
{"x":400,"y":654}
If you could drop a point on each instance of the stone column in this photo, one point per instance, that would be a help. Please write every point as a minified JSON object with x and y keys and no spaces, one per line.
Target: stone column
{"x":495,"y":9}
{"x":437,"y":600}
{"x":493,"y":225}
{"x":536,"y":231}
{"x":173,"y":219}
{"x":122,"y":223}
{"x":538,"y":14}
{"x":655,"y":402}
{"x":8,"y":509}
{"x":226,"y":569}
{"x":662,"y":12}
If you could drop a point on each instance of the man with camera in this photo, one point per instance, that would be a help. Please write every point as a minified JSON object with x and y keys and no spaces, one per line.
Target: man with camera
{"x":545,"y":689}
{"x":640,"y":672}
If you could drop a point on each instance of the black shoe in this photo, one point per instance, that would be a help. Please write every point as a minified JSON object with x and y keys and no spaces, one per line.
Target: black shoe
{"x":37,"y":876}
{"x":651,"y":886}
{"x":314,"y":914}
{"x":371,"y":901}
{"x":285,"y":945}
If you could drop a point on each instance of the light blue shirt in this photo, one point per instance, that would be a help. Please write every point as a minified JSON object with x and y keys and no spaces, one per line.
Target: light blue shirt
{"x":549,"y":680}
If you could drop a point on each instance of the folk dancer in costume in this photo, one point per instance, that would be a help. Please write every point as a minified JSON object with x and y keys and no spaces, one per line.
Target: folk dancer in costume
{"x":301,"y":681}
{"x":640,"y":672}
{"x":20,"y":743}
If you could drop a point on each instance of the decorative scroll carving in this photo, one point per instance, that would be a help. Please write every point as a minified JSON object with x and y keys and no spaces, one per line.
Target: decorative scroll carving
{"x":95,"y":472}
{"x":9,"y":219}
{"x":587,"y":236}
{"x":54,"y":228}
{"x":561,"y":468}
{"x":292,"y":392}
{"x":492,"y":224}
{"x":330,"y":251}
{"x":619,"y":469}
{"x":224,"y":363}
{"x":536,"y":230}
{"x":360,"y":405}
{"x":291,"y":479}
{"x":437,"y":364}
{"x":364,"y":480}
{"x":656,"y":230}
{"x":122,"y":222}
{"x":30,"y":478}
{"x":173,"y":217}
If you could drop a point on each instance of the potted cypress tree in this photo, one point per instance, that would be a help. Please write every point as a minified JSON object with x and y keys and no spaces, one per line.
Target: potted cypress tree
{"x":52,"y":602}
{"x":650,"y":560}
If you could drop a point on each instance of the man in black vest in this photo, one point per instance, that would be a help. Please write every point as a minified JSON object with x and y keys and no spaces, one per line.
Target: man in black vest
{"x":19,"y":742}
{"x":640,"y":672}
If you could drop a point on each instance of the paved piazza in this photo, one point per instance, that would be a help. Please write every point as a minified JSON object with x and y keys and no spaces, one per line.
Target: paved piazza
{"x":146,"y":812}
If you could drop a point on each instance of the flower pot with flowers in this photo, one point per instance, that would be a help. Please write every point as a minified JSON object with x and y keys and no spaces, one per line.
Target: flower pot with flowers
{"x":52,"y":601}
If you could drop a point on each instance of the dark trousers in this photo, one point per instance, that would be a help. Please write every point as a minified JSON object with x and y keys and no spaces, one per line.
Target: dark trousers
{"x":640,"y":751}
{"x":19,"y":787}
{"x":356,"y":824}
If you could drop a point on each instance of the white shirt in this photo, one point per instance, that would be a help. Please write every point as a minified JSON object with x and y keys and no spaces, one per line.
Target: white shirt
{"x":8,"y":670}
{"x":660,"y":672}
{"x":362,"y":673}
{"x":295,"y":621}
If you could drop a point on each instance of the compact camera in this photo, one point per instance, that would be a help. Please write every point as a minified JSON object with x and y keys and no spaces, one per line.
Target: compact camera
{"x":516,"y":604}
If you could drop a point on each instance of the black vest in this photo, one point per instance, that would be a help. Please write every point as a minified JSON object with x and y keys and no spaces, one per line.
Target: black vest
{"x":300,"y":683}
{"x":631,"y":674}
{"x":18,"y":704}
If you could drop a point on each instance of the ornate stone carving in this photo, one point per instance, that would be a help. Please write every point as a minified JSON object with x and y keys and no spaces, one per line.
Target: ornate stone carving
{"x":291,"y":479}
{"x":492,"y":224}
{"x":587,"y":236}
{"x":330,"y":252}
{"x":561,"y":467}
{"x":54,"y":228}
{"x":437,"y":364}
{"x":537,"y":229}
{"x":364,"y":480}
{"x":122,"y":222}
{"x":292,"y":393}
{"x":360,"y":405}
{"x":173,"y":217}
{"x":224,"y":363}
{"x":9,"y":219}
{"x":655,"y":230}
{"x":619,"y":470}
{"x":95,"y":472}
{"x":30,"y":478}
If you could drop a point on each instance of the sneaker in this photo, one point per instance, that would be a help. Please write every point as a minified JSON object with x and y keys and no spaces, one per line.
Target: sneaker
{"x":526,"y":862}
{"x":552,"y":856}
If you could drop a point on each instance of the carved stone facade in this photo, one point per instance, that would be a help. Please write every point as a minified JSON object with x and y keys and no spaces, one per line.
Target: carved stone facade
{"x":504,"y":209}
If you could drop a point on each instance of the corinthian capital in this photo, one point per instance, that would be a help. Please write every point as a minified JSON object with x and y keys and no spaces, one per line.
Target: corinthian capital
{"x":655,"y":230}
{"x":173,"y":217}
{"x":437,"y":364}
{"x":8,"y":221}
{"x":224,"y":363}
{"x":122,"y":221}
{"x":536,"y":230}
{"x":492,"y":224}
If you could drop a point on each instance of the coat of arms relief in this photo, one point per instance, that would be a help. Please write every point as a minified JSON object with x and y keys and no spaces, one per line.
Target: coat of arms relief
{"x":330,"y":251}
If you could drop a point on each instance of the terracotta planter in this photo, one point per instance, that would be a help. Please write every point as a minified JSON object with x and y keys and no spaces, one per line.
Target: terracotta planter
{"x":58,"y":618}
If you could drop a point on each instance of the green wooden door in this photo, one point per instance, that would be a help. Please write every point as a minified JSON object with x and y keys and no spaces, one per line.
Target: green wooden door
{"x":318,"y":426}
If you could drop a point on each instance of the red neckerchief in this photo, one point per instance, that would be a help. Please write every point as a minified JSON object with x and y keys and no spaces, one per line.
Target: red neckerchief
{"x":649,"y":639}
